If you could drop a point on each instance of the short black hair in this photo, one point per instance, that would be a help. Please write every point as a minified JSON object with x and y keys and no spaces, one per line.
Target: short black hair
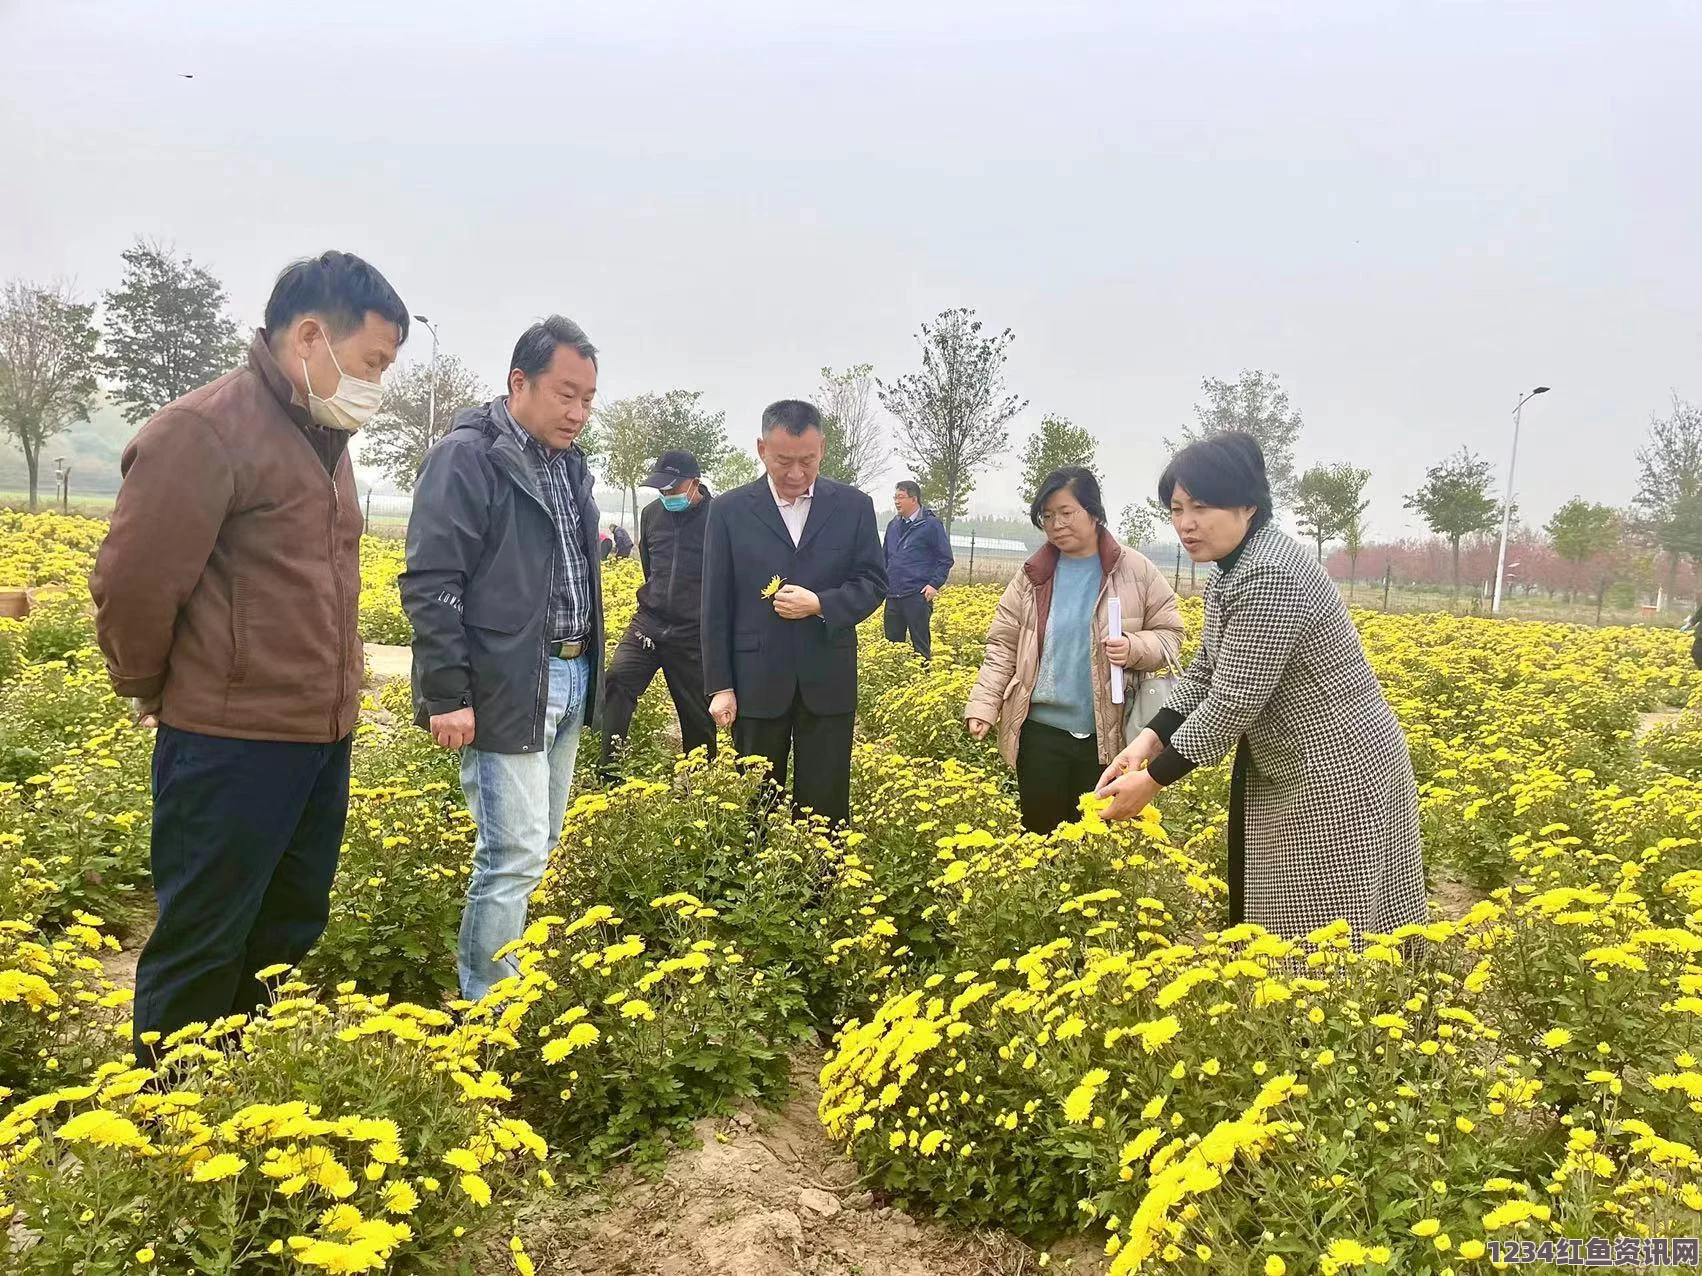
{"x":538,"y":345}
{"x":340,"y":286}
{"x":794,"y":416}
{"x":912,"y":487}
{"x":1080,"y":483}
{"x":1226,"y":471}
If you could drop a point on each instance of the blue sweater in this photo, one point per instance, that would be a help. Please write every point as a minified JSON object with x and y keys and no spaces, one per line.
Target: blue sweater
{"x":917,"y":553}
{"x":1063,"y":685}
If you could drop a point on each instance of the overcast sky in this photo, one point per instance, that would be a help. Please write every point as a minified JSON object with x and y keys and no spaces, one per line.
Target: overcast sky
{"x":1409,"y":211}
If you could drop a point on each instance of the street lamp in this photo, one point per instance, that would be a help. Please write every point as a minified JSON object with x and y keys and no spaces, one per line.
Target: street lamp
{"x":431,"y":376}
{"x":1507,"y":499}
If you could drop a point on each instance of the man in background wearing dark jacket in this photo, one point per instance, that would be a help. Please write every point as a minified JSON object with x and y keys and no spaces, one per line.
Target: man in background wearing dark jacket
{"x":666,"y":633}
{"x":504,"y":590}
{"x":918,"y":561}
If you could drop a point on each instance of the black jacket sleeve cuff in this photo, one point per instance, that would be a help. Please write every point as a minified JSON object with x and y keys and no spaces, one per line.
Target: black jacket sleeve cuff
{"x":1168,"y":767}
{"x":1164,"y":724}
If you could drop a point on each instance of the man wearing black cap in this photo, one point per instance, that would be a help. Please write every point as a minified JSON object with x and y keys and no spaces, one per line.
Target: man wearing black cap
{"x":665,"y":634}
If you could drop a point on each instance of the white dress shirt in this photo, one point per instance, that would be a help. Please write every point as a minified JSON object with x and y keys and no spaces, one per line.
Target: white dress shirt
{"x":793,"y":513}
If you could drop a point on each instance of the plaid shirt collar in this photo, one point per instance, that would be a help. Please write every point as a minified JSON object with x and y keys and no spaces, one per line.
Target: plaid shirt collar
{"x":522,"y":437}
{"x":572,"y":607}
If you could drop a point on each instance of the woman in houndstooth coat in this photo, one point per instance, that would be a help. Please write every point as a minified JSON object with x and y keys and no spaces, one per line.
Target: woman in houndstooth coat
{"x":1323,"y":812}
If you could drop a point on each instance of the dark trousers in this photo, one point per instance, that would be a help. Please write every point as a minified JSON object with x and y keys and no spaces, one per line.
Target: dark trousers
{"x":1053,"y":770}
{"x":911,"y":617}
{"x":628,"y":676}
{"x":246,"y":835}
{"x":821,"y":780}
{"x":1238,"y":833}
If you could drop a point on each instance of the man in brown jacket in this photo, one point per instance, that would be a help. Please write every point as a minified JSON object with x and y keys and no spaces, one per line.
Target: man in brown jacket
{"x":227,"y":597}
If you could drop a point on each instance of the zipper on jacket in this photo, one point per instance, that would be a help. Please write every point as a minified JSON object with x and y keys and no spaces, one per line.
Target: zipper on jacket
{"x":544,"y":655}
{"x":1096,"y":639}
{"x":336,"y":576}
{"x":673,"y":570}
{"x":342,"y":608}
{"x":542,"y":699}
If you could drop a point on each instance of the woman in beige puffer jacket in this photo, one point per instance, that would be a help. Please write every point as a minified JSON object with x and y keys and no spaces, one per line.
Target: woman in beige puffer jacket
{"x":1057,"y":725}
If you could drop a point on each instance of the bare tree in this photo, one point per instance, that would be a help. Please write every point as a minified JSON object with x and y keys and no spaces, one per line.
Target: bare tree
{"x":856,"y":453}
{"x":47,"y":366}
{"x":952,"y":413}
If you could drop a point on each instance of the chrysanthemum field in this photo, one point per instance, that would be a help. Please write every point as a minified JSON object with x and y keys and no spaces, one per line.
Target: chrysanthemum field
{"x":1053,"y":1036}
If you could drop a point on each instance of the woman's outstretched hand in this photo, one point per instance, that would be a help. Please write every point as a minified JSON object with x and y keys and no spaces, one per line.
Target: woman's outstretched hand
{"x":1142,"y":750}
{"x":1130,"y":794}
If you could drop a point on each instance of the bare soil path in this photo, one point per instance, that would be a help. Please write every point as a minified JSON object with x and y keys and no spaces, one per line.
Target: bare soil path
{"x":764,"y":1194}
{"x":1659,"y":718}
{"x":384,"y":663}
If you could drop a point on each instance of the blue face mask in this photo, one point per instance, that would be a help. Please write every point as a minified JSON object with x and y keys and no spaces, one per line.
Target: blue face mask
{"x":674,"y":504}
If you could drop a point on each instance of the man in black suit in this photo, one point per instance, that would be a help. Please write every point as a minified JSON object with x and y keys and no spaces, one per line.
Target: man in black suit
{"x":782,"y":666}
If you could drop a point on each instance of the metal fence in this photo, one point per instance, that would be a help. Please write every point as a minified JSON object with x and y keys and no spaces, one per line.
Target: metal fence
{"x":986,"y":558}
{"x":386,"y":515}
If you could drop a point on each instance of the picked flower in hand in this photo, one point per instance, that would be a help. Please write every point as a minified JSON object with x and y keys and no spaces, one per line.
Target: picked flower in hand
{"x":772,"y":588}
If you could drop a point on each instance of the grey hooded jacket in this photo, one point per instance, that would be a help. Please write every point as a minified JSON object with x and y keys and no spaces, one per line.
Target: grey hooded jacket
{"x":481,"y":556}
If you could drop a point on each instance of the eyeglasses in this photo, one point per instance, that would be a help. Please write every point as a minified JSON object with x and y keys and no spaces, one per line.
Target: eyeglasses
{"x":1058,"y":516}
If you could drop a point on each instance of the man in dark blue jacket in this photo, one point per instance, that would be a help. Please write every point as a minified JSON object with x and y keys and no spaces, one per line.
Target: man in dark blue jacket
{"x":504,"y":590}
{"x":918,"y":560}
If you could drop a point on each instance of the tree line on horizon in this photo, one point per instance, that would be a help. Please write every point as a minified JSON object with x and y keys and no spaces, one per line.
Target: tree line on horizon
{"x":164,"y":329}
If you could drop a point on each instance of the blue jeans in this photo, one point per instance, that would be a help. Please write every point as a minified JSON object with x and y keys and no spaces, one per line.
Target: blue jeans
{"x":518,"y":801}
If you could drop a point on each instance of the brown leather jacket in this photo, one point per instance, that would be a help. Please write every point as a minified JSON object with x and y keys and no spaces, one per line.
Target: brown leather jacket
{"x":1004,"y":689}
{"x":227,"y":593}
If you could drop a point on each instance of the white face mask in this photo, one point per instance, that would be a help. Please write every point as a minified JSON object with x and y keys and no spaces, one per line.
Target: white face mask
{"x":350,"y":406}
